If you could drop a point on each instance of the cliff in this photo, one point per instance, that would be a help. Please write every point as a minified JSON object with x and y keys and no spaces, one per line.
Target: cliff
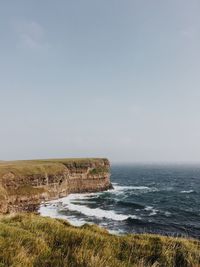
{"x":25,"y":184}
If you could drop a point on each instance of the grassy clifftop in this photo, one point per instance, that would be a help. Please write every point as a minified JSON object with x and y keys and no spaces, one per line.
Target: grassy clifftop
{"x":30,"y":240}
{"x":27,"y":167}
{"x":43,"y":161}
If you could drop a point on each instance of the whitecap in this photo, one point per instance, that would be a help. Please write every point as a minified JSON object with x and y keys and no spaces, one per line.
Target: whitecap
{"x":148,"y":208}
{"x":121,"y":188}
{"x":118,"y":189}
{"x":153,"y":211}
{"x":187,"y":191}
{"x":167,"y":213}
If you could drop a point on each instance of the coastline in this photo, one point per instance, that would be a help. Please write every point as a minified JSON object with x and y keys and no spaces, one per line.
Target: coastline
{"x":56,"y":242}
{"x":25,"y":184}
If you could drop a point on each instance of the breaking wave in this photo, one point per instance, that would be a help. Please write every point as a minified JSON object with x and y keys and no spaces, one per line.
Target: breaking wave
{"x":187,"y":191}
{"x":157,"y":200}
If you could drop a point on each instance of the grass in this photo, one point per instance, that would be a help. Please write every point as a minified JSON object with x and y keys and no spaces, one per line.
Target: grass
{"x":63,"y":161}
{"x":46,"y":166}
{"x":3,"y":193}
{"x":30,"y":240}
{"x":99,"y":170}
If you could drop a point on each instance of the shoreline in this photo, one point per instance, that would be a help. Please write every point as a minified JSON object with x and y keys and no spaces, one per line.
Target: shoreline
{"x":51,"y":209}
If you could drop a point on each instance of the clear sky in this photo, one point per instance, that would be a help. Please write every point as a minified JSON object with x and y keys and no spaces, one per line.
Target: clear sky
{"x":107,"y":78}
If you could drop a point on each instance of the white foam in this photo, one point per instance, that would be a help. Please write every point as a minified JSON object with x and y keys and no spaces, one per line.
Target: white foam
{"x":144,"y":189}
{"x":148,"y":208}
{"x":153,"y":211}
{"x":53,"y":212}
{"x":116,"y":232}
{"x":121,"y":188}
{"x":187,"y":191}
{"x":96,"y":212}
{"x":67,"y":203}
{"x":167,"y":213}
{"x":93,"y":212}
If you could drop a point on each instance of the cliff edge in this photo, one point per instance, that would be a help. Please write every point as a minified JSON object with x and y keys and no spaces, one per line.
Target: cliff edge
{"x":25,"y":184}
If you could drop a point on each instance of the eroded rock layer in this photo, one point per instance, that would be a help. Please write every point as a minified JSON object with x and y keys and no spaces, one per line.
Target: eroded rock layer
{"x":25,"y":184}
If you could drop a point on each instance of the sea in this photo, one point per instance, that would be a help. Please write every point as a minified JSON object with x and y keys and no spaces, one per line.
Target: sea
{"x":163,"y":199}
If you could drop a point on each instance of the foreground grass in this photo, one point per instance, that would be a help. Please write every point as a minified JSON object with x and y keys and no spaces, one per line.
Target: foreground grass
{"x":30,"y":240}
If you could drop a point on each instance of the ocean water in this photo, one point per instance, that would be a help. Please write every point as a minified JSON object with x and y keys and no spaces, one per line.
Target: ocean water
{"x":146,"y":198}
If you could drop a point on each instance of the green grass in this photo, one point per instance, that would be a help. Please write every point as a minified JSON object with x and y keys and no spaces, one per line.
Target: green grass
{"x":28,"y":240}
{"x":99,"y":170}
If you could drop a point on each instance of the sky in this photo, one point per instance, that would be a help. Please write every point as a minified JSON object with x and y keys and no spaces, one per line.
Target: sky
{"x":108,"y":78}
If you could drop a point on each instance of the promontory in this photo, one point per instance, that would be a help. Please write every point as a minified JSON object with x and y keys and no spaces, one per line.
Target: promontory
{"x":25,"y":184}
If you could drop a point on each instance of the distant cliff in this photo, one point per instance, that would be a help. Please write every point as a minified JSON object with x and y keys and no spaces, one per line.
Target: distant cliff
{"x":25,"y":184}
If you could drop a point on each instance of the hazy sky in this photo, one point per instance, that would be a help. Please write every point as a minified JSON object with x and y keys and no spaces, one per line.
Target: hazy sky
{"x":107,"y":78}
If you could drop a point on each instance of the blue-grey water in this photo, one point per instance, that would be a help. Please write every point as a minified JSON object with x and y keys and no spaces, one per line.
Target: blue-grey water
{"x":146,"y":198}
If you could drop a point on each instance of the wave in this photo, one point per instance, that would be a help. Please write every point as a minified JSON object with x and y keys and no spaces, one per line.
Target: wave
{"x":130,"y":204}
{"x":100,"y":213}
{"x":187,"y":191}
{"x":97,"y":212}
{"x":122,"y":188}
{"x":152,"y":210}
{"x":53,"y":211}
{"x":119,"y":189}
{"x":67,"y":203}
{"x":167,"y":213}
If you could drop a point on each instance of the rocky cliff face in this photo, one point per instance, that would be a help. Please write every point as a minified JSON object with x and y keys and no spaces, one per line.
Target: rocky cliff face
{"x":25,"y":184}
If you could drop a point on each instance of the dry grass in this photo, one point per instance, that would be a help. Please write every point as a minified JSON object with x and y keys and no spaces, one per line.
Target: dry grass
{"x":48,"y":166}
{"x":29,"y":240}
{"x":42,"y":161}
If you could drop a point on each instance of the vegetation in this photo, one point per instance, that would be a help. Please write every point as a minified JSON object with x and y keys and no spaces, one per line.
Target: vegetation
{"x":39,"y":167}
{"x":99,"y":170}
{"x":3,"y":193}
{"x":30,"y":240}
{"x":43,"y":161}
{"x":19,"y":173}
